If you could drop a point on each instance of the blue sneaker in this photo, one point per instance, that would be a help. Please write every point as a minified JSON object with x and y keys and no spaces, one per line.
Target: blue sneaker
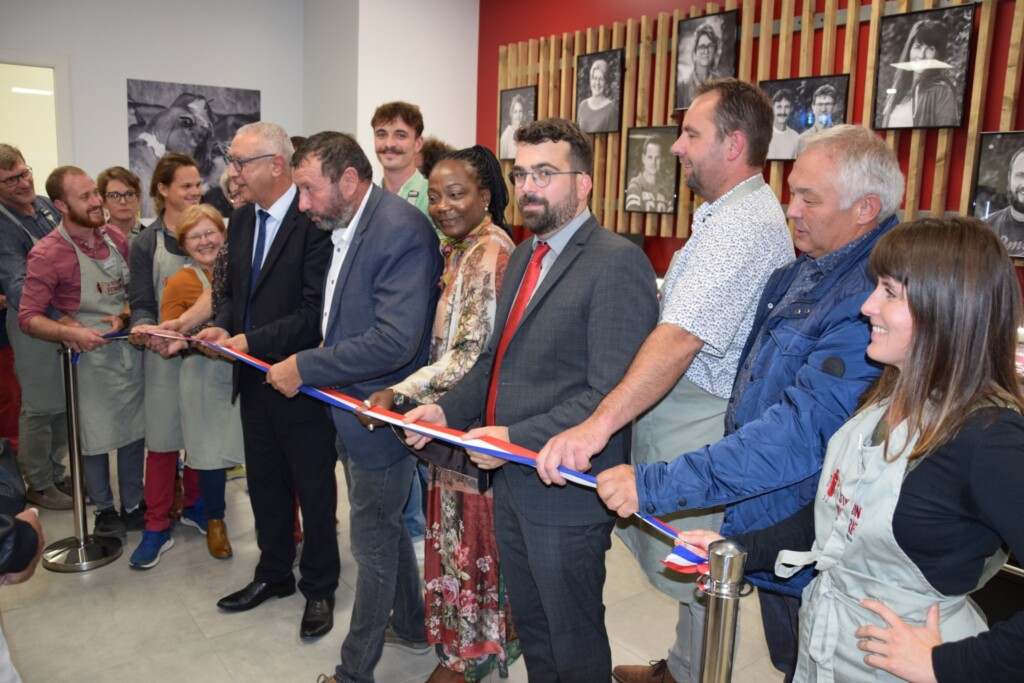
{"x":195,"y":517}
{"x":153,"y":545}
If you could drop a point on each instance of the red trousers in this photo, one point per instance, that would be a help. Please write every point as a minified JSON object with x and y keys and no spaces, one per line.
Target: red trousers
{"x":10,"y":397}
{"x":161,"y":469}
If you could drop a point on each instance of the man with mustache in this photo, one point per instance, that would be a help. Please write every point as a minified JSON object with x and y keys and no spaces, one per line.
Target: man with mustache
{"x":42,"y":425}
{"x":378,"y":308}
{"x":397,"y":137}
{"x":81,"y":269}
{"x":1009,"y":222}
{"x":577,"y":303}
{"x":784,"y":139}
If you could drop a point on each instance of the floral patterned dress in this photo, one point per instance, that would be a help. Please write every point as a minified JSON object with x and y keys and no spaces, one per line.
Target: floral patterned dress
{"x":467,"y":615}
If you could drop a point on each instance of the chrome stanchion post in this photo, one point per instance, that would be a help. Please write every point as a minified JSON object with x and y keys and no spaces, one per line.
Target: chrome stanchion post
{"x":80,"y":552}
{"x":724,"y":586}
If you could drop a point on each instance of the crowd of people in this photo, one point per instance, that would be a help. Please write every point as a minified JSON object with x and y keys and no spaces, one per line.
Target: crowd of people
{"x":852,"y":415}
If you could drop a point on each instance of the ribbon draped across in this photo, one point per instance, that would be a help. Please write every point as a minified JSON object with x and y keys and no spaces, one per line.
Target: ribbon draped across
{"x":680,"y":559}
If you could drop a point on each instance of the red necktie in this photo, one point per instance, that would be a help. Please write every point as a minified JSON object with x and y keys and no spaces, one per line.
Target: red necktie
{"x":515,"y":315}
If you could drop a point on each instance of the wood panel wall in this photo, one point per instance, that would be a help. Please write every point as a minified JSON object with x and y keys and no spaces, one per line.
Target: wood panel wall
{"x":650,"y":77}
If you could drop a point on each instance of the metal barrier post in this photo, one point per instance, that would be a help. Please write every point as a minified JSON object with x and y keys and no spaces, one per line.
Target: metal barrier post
{"x":724,"y":586}
{"x":80,"y":552}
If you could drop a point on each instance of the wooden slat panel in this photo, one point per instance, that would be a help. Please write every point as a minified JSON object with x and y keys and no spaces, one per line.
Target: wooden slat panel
{"x":1014,"y":62}
{"x":748,"y":15}
{"x":828,"y":38}
{"x":643,"y":99}
{"x":867,"y":115}
{"x":613,"y":192}
{"x":764,"y":68}
{"x":940,"y":168}
{"x":661,"y":109}
{"x":807,"y":39}
{"x":915,"y":163}
{"x":544,"y":75}
{"x":850,"y":49}
{"x":622,"y":222}
{"x":568,"y":69}
{"x":599,"y":40}
{"x":982,"y":56}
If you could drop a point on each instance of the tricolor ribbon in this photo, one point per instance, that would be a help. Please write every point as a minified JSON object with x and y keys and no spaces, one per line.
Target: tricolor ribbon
{"x":681,"y":559}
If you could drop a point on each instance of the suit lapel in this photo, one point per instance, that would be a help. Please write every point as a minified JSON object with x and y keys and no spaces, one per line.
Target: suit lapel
{"x":242,"y":238}
{"x":277,"y":246}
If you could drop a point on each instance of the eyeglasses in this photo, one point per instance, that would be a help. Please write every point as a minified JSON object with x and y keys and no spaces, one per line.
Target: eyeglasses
{"x":122,"y":196}
{"x":196,"y":239}
{"x":14,"y":180}
{"x":541,"y":177}
{"x":238,"y":164}
{"x":704,"y":47}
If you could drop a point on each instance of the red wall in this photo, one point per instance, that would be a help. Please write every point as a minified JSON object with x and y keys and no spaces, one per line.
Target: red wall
{"x":503,"y":22}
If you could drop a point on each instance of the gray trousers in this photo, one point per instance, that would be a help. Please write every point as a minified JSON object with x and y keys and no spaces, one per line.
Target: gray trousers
{"x":130,"y":463}
{"x":42,"y":447}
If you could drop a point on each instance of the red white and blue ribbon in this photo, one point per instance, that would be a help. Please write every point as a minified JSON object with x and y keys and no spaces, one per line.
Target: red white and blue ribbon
{"x":681,"y":559}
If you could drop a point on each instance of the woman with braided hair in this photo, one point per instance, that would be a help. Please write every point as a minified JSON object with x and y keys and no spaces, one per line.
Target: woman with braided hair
{"x":468,"y":618}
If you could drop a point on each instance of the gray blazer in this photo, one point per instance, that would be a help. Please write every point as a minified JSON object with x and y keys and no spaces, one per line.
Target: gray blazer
{"x":578,"y":335}
{"x":379,"y":328}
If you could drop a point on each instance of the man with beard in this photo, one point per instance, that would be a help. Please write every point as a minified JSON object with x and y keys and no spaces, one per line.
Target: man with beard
{"x":397,"y":137}
{"x":1009,"y":222}
{"x":81,"y":269}
{"x":680,"y":381}
{"x":42,"y":426}
{"x":378,"y":309}
{"x":270,"y":309}
{"x":577,"y":303}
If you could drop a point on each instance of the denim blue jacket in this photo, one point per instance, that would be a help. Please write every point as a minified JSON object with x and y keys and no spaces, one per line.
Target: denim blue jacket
{"x":805,"y":382}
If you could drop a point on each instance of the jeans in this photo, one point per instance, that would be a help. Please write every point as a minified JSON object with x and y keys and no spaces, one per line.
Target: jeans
{"x":96,"y":469}
{"x":414,"y":513}
{"x":388,"y":577}
{"x":780,"y":615}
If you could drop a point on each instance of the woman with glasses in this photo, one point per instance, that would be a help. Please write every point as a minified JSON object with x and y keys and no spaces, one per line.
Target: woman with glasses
{"x":122,"y":192}
{"x":705,"y":56}
{"x":156,"y":256}
{"x":467,"y":617}
{"x":920,"y":490}
{"x":210,"y":422}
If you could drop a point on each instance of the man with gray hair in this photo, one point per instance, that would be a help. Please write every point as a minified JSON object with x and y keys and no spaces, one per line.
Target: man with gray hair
{"x":26,"y":218}
{"x":270,"y":310}
{"x":800,"y":374}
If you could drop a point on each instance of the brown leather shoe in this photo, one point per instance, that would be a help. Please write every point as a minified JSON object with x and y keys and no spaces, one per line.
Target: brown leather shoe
{"x":179,"y":499}
{"x":217,"y":539}
{"x":655,"y":672}
{"x":443,"y":675}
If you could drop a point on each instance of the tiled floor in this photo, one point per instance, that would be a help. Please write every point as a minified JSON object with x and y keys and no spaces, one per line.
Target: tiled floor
{"x":116,"y":624}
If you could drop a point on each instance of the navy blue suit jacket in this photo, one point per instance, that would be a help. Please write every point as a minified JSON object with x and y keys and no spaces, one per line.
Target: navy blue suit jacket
{"x":382,"y":314}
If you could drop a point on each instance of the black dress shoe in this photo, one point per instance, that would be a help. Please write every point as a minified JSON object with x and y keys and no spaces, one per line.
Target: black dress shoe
{"x":318,"y":618}
{"x":256,"y":593}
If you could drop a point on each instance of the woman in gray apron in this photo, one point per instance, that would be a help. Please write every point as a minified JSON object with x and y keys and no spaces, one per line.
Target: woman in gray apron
{"x":919,"y":490}
{"x":175,"y":187}
{"x":109,"y":386}
{"x":210,"y":423}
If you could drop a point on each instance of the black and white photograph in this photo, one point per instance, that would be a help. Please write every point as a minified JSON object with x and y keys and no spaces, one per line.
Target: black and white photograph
{"x":706,"y":51}
{"x":999,"y":187}
{"x":199,"y":120}
{"x":652,"y":171}
{"x":923,"y":59}
{"x":803,"y":106}
{"x":599,"y":91}
{"x":518,"y":108}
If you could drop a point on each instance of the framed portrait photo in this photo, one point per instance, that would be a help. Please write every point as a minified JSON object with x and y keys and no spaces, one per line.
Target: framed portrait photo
{"x":998,"y":193}
{"x":652,"y":174}
{"x":518,"y":108}
{"x":923,"y":59}
{"x":706,"y":50}
{"x":599,"y":91}
{"x":802,"y":106}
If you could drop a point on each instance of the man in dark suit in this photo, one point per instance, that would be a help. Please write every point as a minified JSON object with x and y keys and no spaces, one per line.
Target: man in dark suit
{"x":271,"y":309}
{"x":379,"y":299}
{"x":585,"y":300}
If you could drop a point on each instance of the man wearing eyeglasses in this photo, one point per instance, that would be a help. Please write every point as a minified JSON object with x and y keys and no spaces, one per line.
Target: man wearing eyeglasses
{"x":26,"y":218}
{"x":271,"y":310}
{"x":576,"y":305}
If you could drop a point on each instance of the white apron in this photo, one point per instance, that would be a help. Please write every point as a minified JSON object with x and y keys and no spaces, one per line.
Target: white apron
{"x":210,"y":422}
{"x":36,"y":361}
{"x":858,"y":557}
{"x":110,"y":377}
{"x":163,"y":418}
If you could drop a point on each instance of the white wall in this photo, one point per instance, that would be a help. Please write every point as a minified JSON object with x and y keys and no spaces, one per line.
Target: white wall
{"x":236,"y":43}
{"x":424,"y":53}
{"x":319,"y":64}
